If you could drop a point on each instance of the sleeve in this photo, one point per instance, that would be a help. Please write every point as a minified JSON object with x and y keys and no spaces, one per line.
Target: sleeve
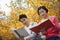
{"x":34,"y":23}
{"x":33,"y":34}
{"x":56,"y":23}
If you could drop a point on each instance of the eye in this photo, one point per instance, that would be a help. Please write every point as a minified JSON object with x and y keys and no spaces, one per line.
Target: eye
{"x":23,"y":19}
{"x":41,"y":12}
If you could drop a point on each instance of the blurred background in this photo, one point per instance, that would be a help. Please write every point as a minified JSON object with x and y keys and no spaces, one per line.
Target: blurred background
{"x":11,"y":9}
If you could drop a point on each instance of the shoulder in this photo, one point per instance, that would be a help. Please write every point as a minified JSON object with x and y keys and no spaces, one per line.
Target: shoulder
{"x":33,"y":23}
{"x":52,"y":16}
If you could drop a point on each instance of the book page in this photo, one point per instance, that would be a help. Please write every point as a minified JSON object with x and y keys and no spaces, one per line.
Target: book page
{"x":19,"y":32}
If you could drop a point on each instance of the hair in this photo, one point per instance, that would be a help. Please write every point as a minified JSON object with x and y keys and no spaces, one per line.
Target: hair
{"x":42,"y":7}
{"x":22,"y":16}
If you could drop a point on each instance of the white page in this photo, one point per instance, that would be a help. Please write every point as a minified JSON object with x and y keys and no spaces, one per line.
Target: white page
{"x":20,"y":31}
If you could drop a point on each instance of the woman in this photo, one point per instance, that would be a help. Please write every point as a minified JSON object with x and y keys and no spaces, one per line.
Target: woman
{"x":52,"y":33}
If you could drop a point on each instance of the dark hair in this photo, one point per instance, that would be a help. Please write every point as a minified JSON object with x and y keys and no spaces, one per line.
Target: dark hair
{"x":42,"y":7}
{"x":22,"y":16}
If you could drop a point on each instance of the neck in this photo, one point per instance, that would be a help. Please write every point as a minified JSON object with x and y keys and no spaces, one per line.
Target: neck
{"x":45,"y":17}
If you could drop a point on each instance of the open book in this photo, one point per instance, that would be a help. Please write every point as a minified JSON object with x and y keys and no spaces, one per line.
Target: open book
{"x":42,"y":26}
{"x":19,"y":32}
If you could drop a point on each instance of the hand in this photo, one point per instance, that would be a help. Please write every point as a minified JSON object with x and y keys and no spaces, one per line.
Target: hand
{"x":43,"y":37}
{"x":27,"y":38}
{"x":21,"y":38}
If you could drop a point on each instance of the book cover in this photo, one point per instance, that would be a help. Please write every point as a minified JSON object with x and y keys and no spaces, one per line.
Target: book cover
{"x":42,"y":26}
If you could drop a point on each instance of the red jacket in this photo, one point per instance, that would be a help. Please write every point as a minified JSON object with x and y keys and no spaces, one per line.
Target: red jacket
{"x":53,"y":31}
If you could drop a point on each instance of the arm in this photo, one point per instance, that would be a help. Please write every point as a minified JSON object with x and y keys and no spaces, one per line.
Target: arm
{"x":56,"y":23}
{"x":30,"y":36}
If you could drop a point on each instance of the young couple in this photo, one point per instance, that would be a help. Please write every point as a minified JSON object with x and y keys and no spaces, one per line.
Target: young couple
{"x":52,"y":33}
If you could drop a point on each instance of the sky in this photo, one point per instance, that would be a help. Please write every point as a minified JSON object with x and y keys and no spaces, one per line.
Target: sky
{"x":4,"y":7}
{"x":5,"y":3}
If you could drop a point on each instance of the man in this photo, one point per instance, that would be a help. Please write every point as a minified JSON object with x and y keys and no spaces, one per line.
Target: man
{"x":23,"y":18}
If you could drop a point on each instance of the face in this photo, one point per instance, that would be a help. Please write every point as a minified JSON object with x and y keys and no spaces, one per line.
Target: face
{"x":42,"y":13}
{"x":24,"y":20}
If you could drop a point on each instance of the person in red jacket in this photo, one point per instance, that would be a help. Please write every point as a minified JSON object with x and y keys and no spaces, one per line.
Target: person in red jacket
{"x":52,"y":33}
